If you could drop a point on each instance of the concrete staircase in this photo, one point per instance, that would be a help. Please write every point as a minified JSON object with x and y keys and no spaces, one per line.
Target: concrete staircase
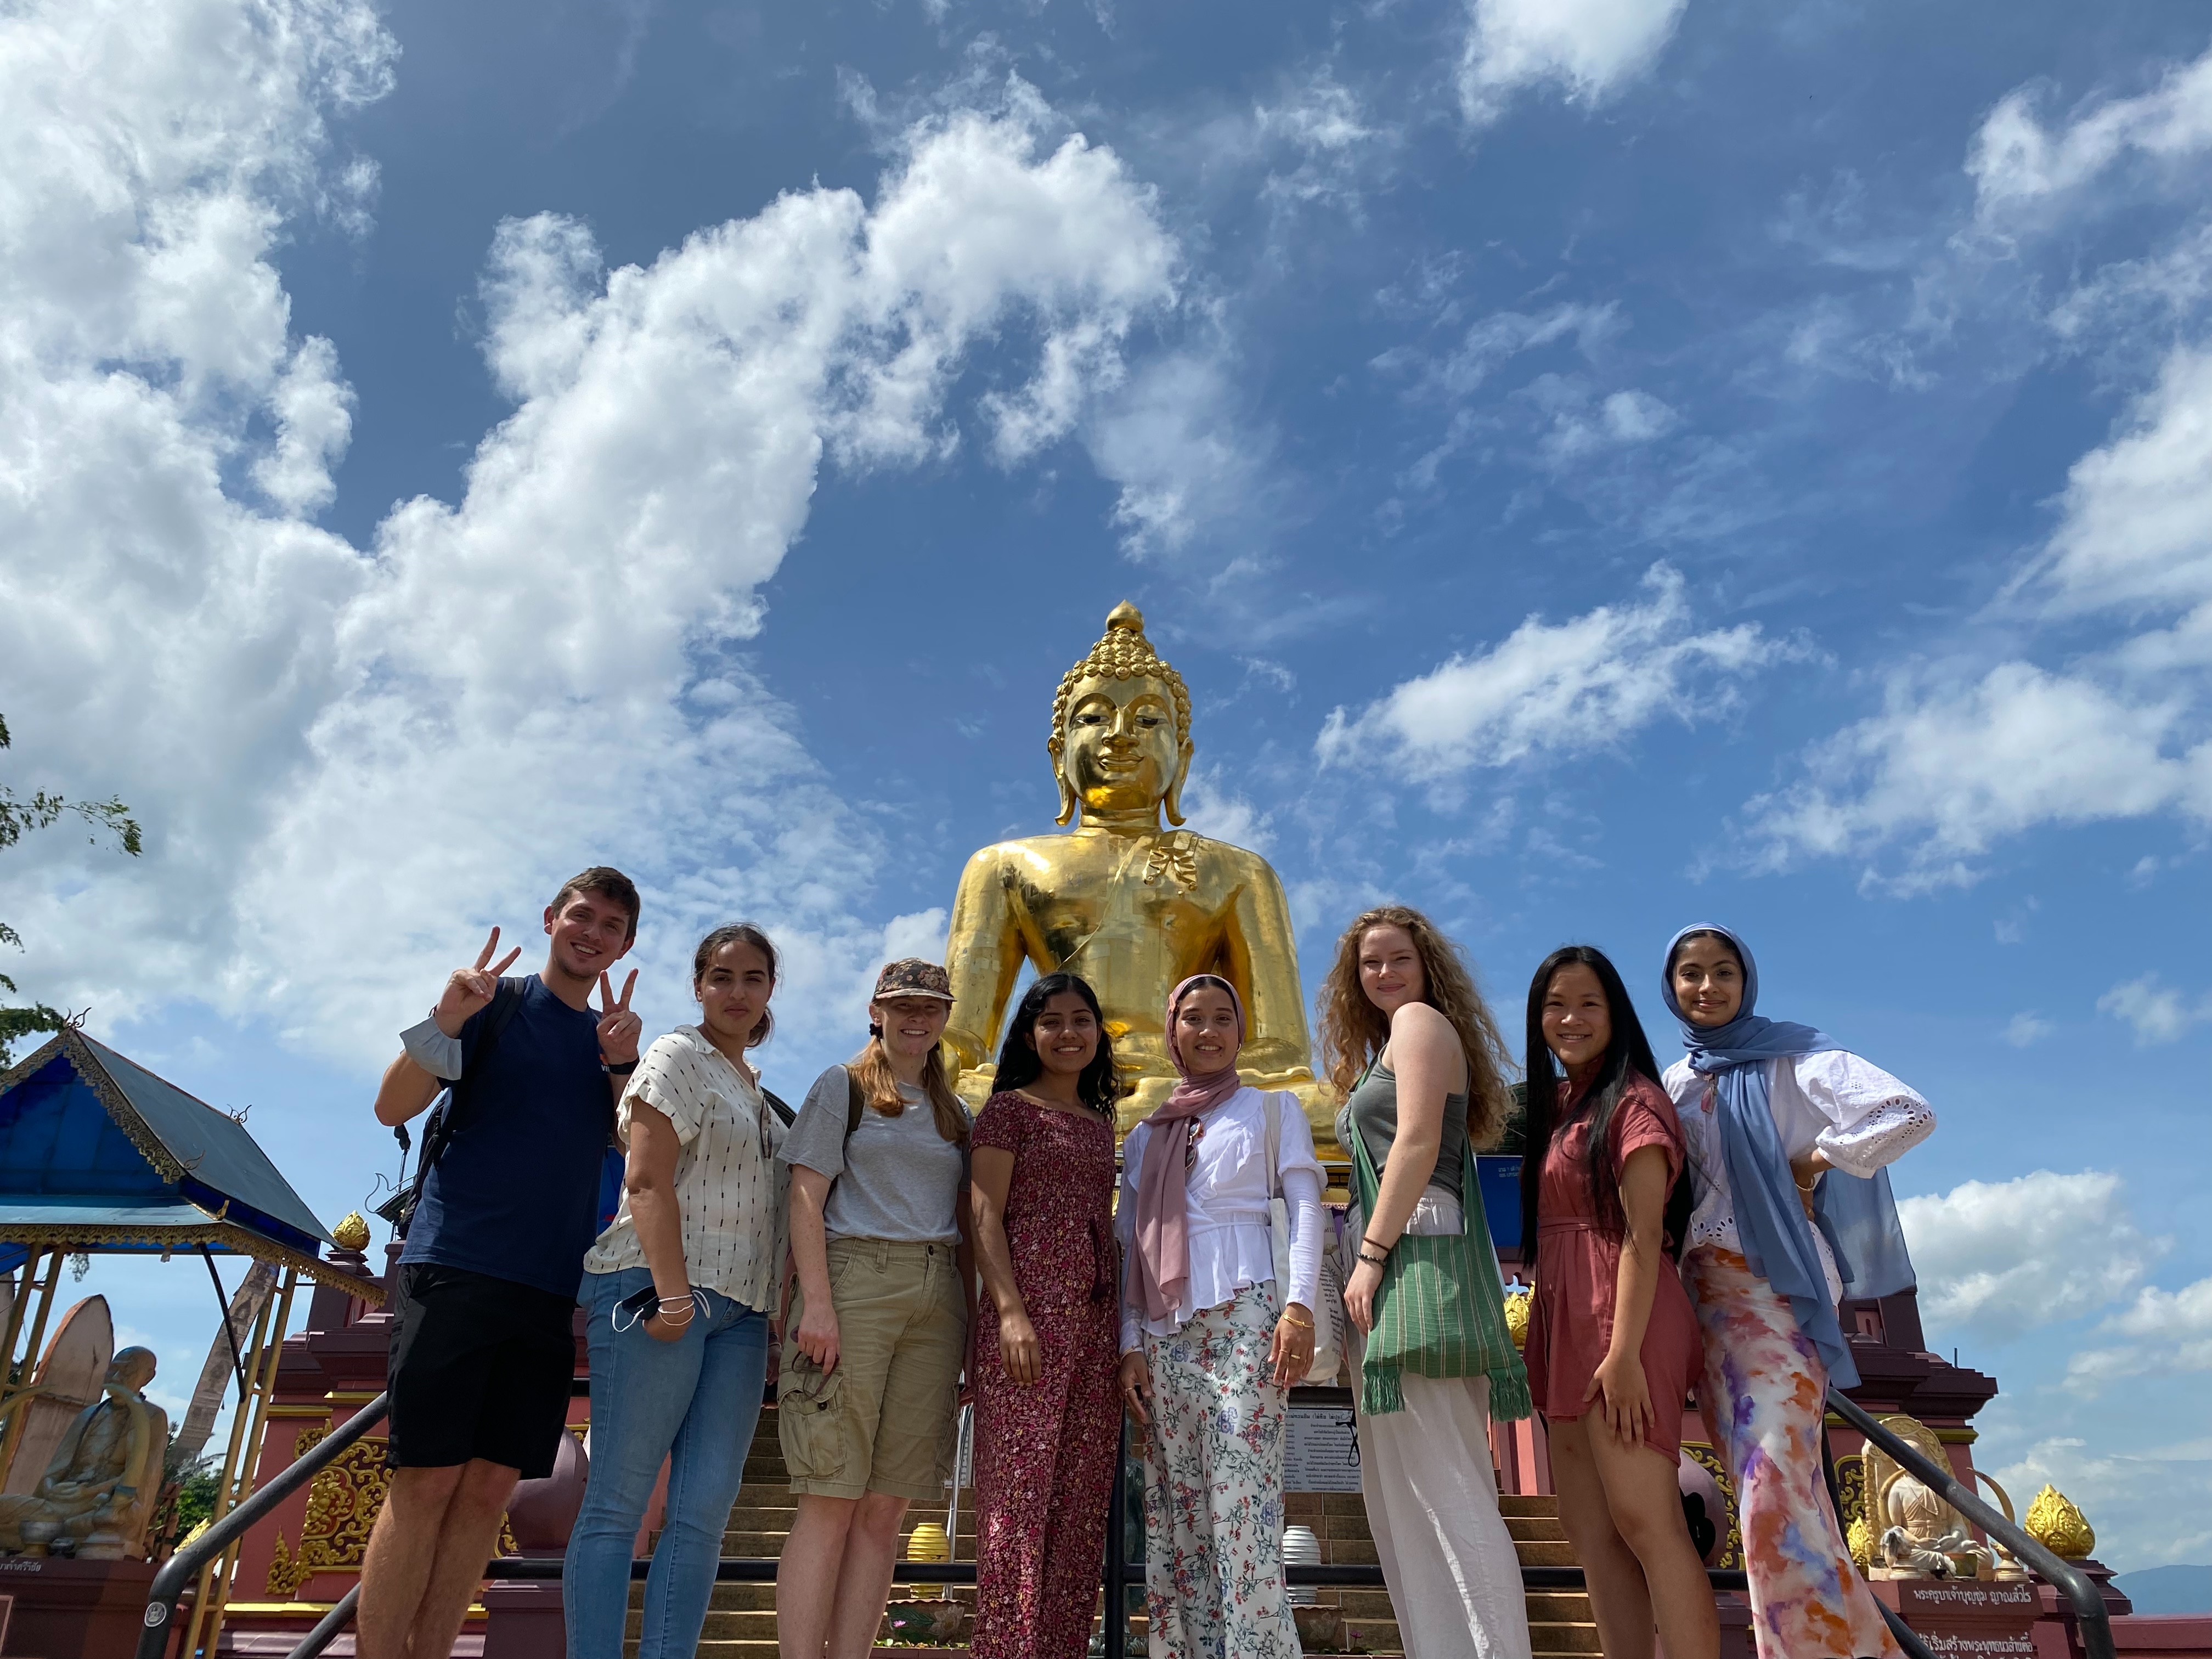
{"x":741,"y":1623}
{"x":1559,"y":1620}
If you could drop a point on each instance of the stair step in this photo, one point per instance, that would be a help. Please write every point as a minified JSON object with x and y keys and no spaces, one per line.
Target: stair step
{"x":757,"y":1626}
{"x":1559,"y":1607}
{"x":756,"y":1544}
{"x":1562,"y":1638}
{"x":1537,"y":1528}
{"x":1536,"y":1554}
{"x":1527,"y":1504}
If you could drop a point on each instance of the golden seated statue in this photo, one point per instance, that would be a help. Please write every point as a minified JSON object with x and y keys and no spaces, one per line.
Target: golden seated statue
{"x":99,"y":1489}
{"x":1133,"y":905}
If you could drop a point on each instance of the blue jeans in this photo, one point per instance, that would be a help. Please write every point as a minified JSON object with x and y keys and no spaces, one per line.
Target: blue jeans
{"x":694,"y":1401}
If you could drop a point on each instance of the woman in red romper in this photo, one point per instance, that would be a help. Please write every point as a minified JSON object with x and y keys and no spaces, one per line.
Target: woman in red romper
{"x":1613,"y":1342}
{"x":1048,"y":1415}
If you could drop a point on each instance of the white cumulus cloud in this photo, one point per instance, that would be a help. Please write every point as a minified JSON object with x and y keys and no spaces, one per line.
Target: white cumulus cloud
{"x":1999,"y":1259}
{"x":1553,"y":689}
{"x":2136,"y":532}
{"x":2017,"y":159}
{"x":348,"y":759}
{"x":1976,"y":750}
{"x":1589,"y":48}
{"x":1948,"y":769}
{"x":2163,"y":1334}
{"x":2157,"y":1013}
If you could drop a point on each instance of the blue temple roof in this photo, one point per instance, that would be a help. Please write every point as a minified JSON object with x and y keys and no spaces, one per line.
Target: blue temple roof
{"x":97,"y":1152}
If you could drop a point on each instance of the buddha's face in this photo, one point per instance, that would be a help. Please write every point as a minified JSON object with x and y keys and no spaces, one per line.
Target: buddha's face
{"x":1119,"y":752}
{"x":133,"y":1367}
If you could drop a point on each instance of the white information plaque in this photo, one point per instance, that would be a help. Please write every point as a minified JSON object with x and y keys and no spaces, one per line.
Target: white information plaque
{"x":1321,"y":1453}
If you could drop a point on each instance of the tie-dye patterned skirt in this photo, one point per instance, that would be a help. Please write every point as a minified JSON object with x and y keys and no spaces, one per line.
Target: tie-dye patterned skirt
{"x":1764,"y":1394}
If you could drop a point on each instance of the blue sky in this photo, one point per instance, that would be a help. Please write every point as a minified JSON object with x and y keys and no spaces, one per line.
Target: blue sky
{"x":1598,"y":466}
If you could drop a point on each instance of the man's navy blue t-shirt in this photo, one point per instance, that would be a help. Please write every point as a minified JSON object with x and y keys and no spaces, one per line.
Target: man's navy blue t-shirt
{"x":516,"y":1194}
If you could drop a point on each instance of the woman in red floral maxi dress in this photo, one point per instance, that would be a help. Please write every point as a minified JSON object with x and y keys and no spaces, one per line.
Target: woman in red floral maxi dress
{"x":1048,"y":1416}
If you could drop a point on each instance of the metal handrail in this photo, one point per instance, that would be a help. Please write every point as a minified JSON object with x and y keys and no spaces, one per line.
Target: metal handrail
{"x":180,"y":1568}
{"x":2081,"y":1591}
{"x":327,"y":1627}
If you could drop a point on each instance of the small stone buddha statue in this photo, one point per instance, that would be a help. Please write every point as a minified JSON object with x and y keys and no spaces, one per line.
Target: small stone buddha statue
{"x":1133,"y":904}
{"x":98,"y":1490}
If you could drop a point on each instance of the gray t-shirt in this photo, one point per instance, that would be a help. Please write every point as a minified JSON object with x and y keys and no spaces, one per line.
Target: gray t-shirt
{"x":897,"y":1178}
{"x":1373,"y":1106}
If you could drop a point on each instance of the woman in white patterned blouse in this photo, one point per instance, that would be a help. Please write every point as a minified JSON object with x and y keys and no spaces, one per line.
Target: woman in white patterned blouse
{"x":1791,"y":1136}
{"x":678,"y":1288}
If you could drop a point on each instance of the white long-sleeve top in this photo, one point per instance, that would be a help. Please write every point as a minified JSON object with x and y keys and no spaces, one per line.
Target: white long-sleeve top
{"x":1856,"y":1114}
{"x":1225,"y":1203}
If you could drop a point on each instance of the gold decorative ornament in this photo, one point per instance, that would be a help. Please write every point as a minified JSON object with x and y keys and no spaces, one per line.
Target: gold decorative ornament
{"x":352,"y":1233}
{"x":1124,"y":899}
{"x":2054,"y":1522}
{"x":1851,"y":1497}
{"x":1860,"y":1542}
{"x":343,"y":1501}
{"x":928,"y":1542}
{"x":1517,"y":1304}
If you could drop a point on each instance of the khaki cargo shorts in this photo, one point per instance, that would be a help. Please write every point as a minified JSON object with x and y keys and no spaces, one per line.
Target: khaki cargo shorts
{"x":884,"y":1420}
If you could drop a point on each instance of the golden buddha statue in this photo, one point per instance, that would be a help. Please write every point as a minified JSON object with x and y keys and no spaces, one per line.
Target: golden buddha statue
{"x":1133,"y":905}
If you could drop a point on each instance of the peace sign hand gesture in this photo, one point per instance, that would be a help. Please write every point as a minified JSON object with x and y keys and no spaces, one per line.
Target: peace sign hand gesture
{"x":618,"y":1027}
{"x":469,"y":989}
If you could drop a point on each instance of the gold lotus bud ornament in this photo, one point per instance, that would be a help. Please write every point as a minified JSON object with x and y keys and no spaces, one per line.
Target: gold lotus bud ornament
{"x":1517,"y":1315}
{"x":928,"y":1542}
{"x":2054,"y":1522}
{"x":352,"y":1233}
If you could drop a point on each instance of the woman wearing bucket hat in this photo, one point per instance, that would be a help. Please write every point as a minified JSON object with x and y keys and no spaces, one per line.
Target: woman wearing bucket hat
{"x":1789,"y":1137}
{"x":875,"y":1336}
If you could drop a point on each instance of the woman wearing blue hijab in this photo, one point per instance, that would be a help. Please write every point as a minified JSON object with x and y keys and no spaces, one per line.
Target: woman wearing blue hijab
{"x":1790,"y":1136}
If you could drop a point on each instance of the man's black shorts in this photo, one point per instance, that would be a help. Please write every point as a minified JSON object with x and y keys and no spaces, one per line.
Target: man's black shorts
{"x":480,"y":1368}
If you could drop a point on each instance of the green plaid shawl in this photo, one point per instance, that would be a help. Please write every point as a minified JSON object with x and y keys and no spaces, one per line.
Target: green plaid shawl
{"x":1440,"y":1310}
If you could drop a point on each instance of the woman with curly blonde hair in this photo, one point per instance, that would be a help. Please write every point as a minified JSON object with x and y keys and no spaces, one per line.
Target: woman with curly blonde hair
{"x":1407,"y":1041}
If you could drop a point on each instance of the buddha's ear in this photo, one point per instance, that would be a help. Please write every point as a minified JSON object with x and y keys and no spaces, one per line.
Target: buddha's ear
{"x":1175,"y":784}
{"x":1059,"y":751}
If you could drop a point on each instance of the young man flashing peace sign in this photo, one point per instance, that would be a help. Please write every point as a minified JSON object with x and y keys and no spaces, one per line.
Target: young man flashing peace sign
{"x":481,"y":1349}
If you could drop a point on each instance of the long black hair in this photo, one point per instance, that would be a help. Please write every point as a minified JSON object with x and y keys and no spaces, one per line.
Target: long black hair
{"x":1627,"y":1056}
{"x":1019,"y":1063}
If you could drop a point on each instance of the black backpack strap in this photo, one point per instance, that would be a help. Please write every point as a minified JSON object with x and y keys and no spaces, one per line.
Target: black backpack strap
{"x":501,"y":1009}
{"x":853,"y":1105}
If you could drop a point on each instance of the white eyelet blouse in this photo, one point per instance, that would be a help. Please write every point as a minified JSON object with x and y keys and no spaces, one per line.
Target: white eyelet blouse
{"x":1858,"y":1116}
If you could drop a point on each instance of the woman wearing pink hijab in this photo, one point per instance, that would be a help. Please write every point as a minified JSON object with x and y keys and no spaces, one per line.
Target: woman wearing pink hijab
{"x":1210,"y":1342}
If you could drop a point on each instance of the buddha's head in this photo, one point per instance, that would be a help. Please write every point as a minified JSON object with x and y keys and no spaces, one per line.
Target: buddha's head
{"x":133,"y":1367}
{"x":1121,"y":726}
